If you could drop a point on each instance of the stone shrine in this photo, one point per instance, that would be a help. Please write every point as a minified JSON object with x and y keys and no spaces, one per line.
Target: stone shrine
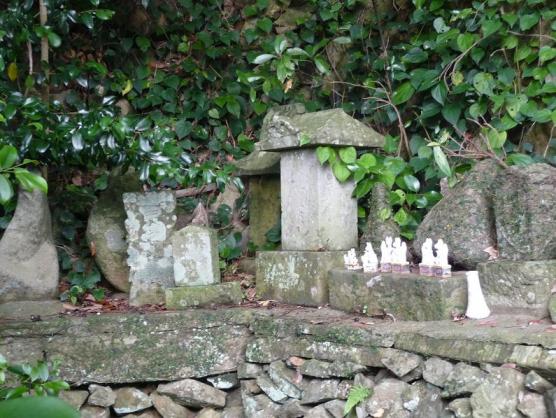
{"x":319,"y":215}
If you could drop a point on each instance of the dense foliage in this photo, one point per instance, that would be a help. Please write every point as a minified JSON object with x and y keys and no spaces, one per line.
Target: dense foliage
{"x":178,"y":89}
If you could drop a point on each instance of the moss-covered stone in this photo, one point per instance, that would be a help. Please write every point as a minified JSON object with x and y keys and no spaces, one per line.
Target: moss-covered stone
{"x":264,"y":207}
{"x":464,"y":218}
{"x":193,"y":296}
{"x":106,"y":229}
{"x":518,"y":284}
{"x":327,"y":127}
{"x":552,"y":307}
{"x":525,"y":212}
{"x":407,"y":297}
{"x":297,"y":277}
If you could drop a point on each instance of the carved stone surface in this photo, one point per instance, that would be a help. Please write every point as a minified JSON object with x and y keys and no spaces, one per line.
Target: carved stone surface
{"x":149,"y":224}
{"x":195,"y":253}
{"x":518,"y":284}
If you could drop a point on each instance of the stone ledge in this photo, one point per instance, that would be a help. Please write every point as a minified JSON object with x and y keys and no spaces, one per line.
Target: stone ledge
{"x":193,"y":296}
{"x":407,"y":297}
{"x":195,"y":343}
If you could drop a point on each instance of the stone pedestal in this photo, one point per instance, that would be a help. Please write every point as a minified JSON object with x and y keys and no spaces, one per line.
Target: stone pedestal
{"x":318,"y":212}
{"x":406,"y":297}
{"x":195,"y":253}
{"x":296,"y":277}
{"x":518,"y":285}
{"x":149,"y":224}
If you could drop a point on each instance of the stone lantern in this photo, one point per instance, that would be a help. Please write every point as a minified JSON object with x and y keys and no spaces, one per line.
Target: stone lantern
{"x":319,"y":214}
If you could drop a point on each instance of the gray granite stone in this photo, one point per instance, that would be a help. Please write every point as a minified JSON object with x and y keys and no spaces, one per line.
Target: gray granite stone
{"x":195,"y":252}
{"x":190,"y":392}
{"x":318,"y":212}
{"x":195,"y":296}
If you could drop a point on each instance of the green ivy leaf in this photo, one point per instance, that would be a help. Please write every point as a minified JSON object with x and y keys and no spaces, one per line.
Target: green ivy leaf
{"x":322,"y":65}
{"x":323,"y":154}
{"x":451,"y":112}
{"x":412,"y":183}
{"x":527,"y":21}
{"x":442,"y":161}
{"x":496,"y":139}
{"x":465,"y":41}
{"x":491,"y":26}
{"x":6,"y":189}
{"x":403,"y":93}
{"x":265,"y":24}
{"x":348,"y":155}
{"x":484,"y":83}
{"x":440,"y":25}
{"x":340,"y":170}
{"x":439,"y":93}
{"x":183,"y":128}
{"x":401,"y":217}
{"x":546,"y":53}
{"x":367,"y":161}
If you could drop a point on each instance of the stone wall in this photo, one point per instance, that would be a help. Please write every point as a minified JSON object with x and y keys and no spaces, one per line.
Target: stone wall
{"x":292,"y":362}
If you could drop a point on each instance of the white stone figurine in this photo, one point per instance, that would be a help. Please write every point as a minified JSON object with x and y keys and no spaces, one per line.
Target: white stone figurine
{"x":441,"y":266}
{"x":351,"y":261}
{"x":369,"y":259}
{"x":386,"y":255}
{"x":441,"y":253}
{"x":476,"y":304}
{"x":426,"y":267}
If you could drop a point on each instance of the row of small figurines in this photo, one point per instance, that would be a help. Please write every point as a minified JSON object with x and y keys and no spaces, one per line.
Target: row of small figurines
{"x":393,"y":258}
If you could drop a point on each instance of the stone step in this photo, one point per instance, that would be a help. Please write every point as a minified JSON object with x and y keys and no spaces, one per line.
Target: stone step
{"x":194,"y":296}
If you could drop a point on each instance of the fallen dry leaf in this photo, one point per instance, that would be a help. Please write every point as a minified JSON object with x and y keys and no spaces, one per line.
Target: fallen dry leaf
{"x":492,"y":253}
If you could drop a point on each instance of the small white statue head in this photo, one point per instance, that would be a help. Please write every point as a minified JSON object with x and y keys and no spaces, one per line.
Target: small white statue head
{"x":386,"y":251}
{"x":441,"y":253}
{"x":351,"y":261}
{"x":369,"y":259}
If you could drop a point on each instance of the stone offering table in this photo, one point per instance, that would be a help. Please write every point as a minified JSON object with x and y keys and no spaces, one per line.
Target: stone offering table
{"x":408,"y":297}
{"x":319,"y":214}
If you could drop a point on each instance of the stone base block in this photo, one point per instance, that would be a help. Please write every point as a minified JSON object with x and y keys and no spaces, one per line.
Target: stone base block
{"x":518,"y":285}
{"x":409,"y":297}
{"x":190,"y":296}
{"x":296,"y":277}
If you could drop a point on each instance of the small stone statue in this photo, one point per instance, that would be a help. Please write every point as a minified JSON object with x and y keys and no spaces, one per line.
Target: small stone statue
{"x":441,"y":266}
{"x":369,"y":259}
{"x":399,"y":257}
{"x":426,"y":267}
{"x":386,"y":255}
{"x":351,"y":261}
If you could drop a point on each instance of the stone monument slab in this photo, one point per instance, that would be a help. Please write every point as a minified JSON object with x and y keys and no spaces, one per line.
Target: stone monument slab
{"x":150,"y":222}
{"x":195,"y":253}
{"x":195,"y":296}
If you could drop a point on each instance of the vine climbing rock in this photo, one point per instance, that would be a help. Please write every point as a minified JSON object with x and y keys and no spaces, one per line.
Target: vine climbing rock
{"x":106,"y":232}
{"x":464,"y":218}
{"x":525,"y":212}
{"x":29,"y":262}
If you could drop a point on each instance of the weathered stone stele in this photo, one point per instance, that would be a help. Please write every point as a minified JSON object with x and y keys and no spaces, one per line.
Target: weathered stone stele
{"x":518,"y":284}
{"x":525,"y":212}
{"x":464,"y":218}
{"x":195,"y":253}
{"x":106,"y":229}
{"x":149,"y":224}
{"x":28,"y":258}
{"x":296,"y":276}
{"x":409,"y":298}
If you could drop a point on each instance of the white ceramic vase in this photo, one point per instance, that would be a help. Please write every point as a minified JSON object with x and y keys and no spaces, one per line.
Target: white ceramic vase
{"x":476,"y":304}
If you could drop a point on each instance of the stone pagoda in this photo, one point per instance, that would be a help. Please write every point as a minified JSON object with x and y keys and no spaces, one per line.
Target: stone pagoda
{"x":319,"y":214}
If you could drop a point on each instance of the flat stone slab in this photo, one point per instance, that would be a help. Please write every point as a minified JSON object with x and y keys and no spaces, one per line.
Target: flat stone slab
{"x":192,"y":296}
{"x":518,"y":284}
{"x":37,"y":309}
{"x":408,"y":297}
{"x":296,"y":277}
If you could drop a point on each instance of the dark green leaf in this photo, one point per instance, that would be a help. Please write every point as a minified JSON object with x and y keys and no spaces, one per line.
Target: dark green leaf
{"x":8,"y":156}
{"x":6,"y":189}
{"x":442,"y":161}
{"x":403,"y":93}
{"x":348,"y":155}
{"x":37,"y":406}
